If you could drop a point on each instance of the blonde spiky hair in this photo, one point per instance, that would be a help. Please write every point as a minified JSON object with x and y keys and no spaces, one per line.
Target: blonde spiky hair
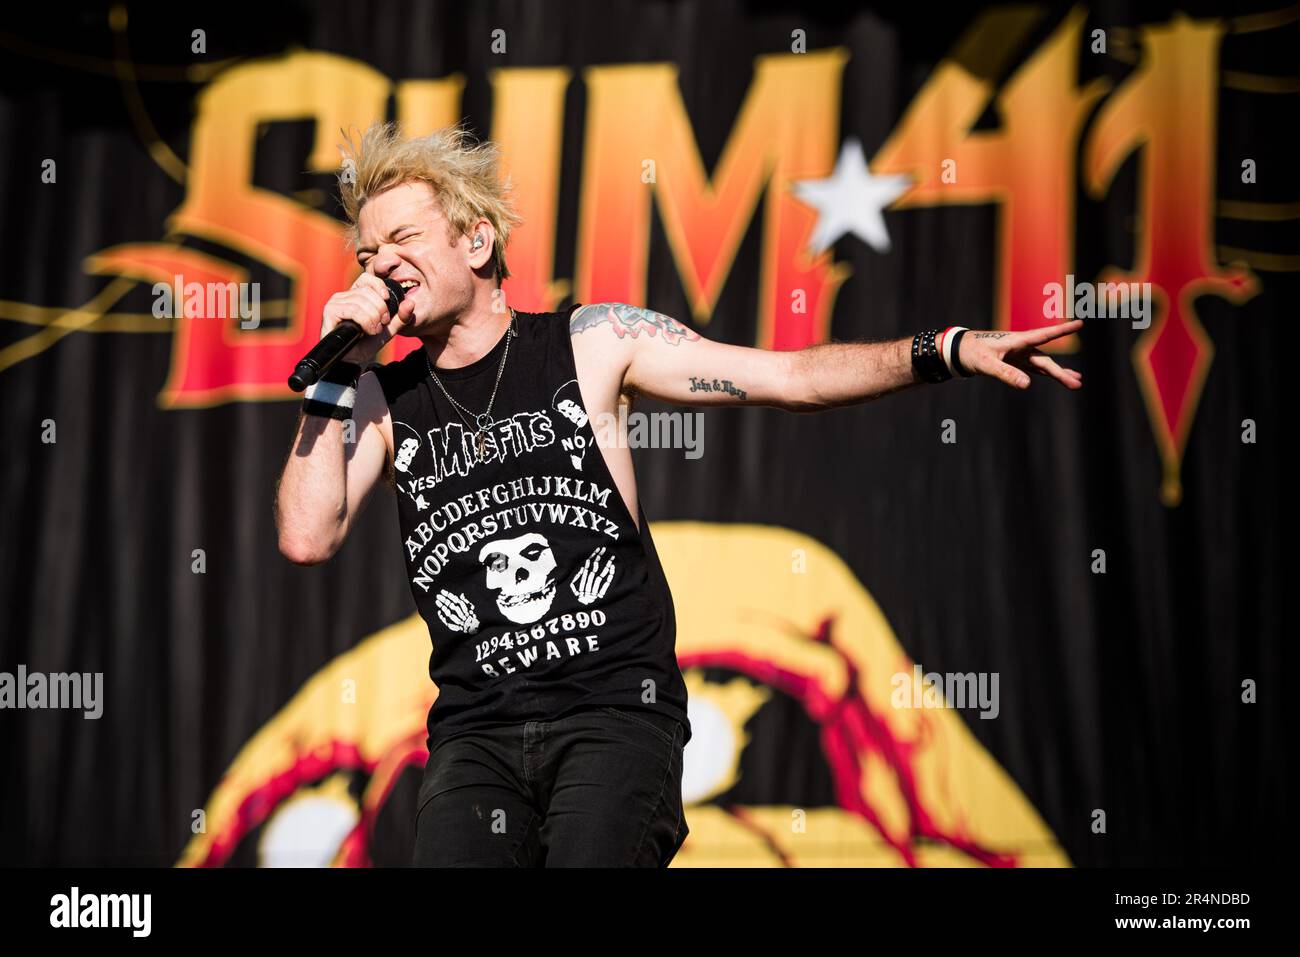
{"x":463,"y":174}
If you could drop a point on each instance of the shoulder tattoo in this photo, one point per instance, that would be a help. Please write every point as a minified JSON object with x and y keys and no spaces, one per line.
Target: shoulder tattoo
{"x":630,"y":321}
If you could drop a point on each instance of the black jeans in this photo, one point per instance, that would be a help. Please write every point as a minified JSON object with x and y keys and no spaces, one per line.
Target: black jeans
{"x":600,"y":787}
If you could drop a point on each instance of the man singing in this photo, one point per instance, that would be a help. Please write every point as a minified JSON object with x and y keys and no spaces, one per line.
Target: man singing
{"x":556,"y":738}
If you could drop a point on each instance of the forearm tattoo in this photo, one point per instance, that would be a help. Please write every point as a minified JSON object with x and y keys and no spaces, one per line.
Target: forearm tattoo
{"x":631,"y":321}
{"x":717,"y":385}
{"x":989,"y":335}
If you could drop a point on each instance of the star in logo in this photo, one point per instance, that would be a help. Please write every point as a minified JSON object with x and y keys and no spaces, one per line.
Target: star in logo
{"x":851,"y":200}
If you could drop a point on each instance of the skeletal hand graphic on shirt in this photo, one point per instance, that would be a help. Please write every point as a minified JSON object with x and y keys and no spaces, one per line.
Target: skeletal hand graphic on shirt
{"x":457,"y":612}
{"x":592,"y":581}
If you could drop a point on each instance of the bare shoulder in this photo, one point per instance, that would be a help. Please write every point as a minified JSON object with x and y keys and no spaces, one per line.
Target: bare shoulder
{"x":626,"y":321}
{"x":602,"y":353}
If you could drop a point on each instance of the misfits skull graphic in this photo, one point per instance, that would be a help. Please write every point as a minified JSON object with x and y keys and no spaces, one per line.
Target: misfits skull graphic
{"x":522,"y":573}
{"x":568,"y":402}
{"x":571,"y":411}
{"x":405,"y":453}
{"x":406,"y":441}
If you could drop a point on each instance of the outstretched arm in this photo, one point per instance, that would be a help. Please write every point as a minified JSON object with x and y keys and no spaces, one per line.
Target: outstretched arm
{"x":666,"y":359}
{"x":836,"y":374}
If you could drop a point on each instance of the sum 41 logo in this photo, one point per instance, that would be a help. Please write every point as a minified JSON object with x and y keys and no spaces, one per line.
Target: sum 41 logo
{"x":102,"y":910}
{"x":777,"y":167}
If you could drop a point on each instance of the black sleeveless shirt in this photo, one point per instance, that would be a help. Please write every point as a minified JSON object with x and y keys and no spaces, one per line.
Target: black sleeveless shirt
{"x":541,"y":596}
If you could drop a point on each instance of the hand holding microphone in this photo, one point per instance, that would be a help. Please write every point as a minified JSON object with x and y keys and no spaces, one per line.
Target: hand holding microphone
{"x":355,"y":324}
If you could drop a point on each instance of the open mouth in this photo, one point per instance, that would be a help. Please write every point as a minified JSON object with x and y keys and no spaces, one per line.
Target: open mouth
{"x":407,"y":285}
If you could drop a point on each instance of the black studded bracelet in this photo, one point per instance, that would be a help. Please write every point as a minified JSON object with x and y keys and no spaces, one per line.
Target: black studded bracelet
{"x":926,"y":359}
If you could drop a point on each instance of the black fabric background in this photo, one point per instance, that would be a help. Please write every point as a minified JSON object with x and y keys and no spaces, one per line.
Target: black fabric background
{"x":1118,"y":691}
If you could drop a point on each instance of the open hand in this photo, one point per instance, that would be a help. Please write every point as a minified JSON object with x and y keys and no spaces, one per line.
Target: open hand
{"x":1011,"y":356}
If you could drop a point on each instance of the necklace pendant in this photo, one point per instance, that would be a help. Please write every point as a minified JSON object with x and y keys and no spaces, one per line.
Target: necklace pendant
{"x":481,"y":443}
{"x":483,"y":421}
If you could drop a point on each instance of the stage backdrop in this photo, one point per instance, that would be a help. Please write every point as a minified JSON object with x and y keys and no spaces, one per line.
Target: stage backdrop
{"x":1106,"y":566}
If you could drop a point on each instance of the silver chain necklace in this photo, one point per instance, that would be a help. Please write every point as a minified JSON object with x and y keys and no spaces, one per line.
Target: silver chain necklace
{"x":482,"y":420}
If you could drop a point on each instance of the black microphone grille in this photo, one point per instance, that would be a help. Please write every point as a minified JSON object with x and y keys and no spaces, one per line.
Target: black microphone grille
{"x":395,"y":299}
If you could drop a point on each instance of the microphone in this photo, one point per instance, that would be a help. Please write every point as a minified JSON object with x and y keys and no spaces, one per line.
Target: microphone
{"x":335,"y":344}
